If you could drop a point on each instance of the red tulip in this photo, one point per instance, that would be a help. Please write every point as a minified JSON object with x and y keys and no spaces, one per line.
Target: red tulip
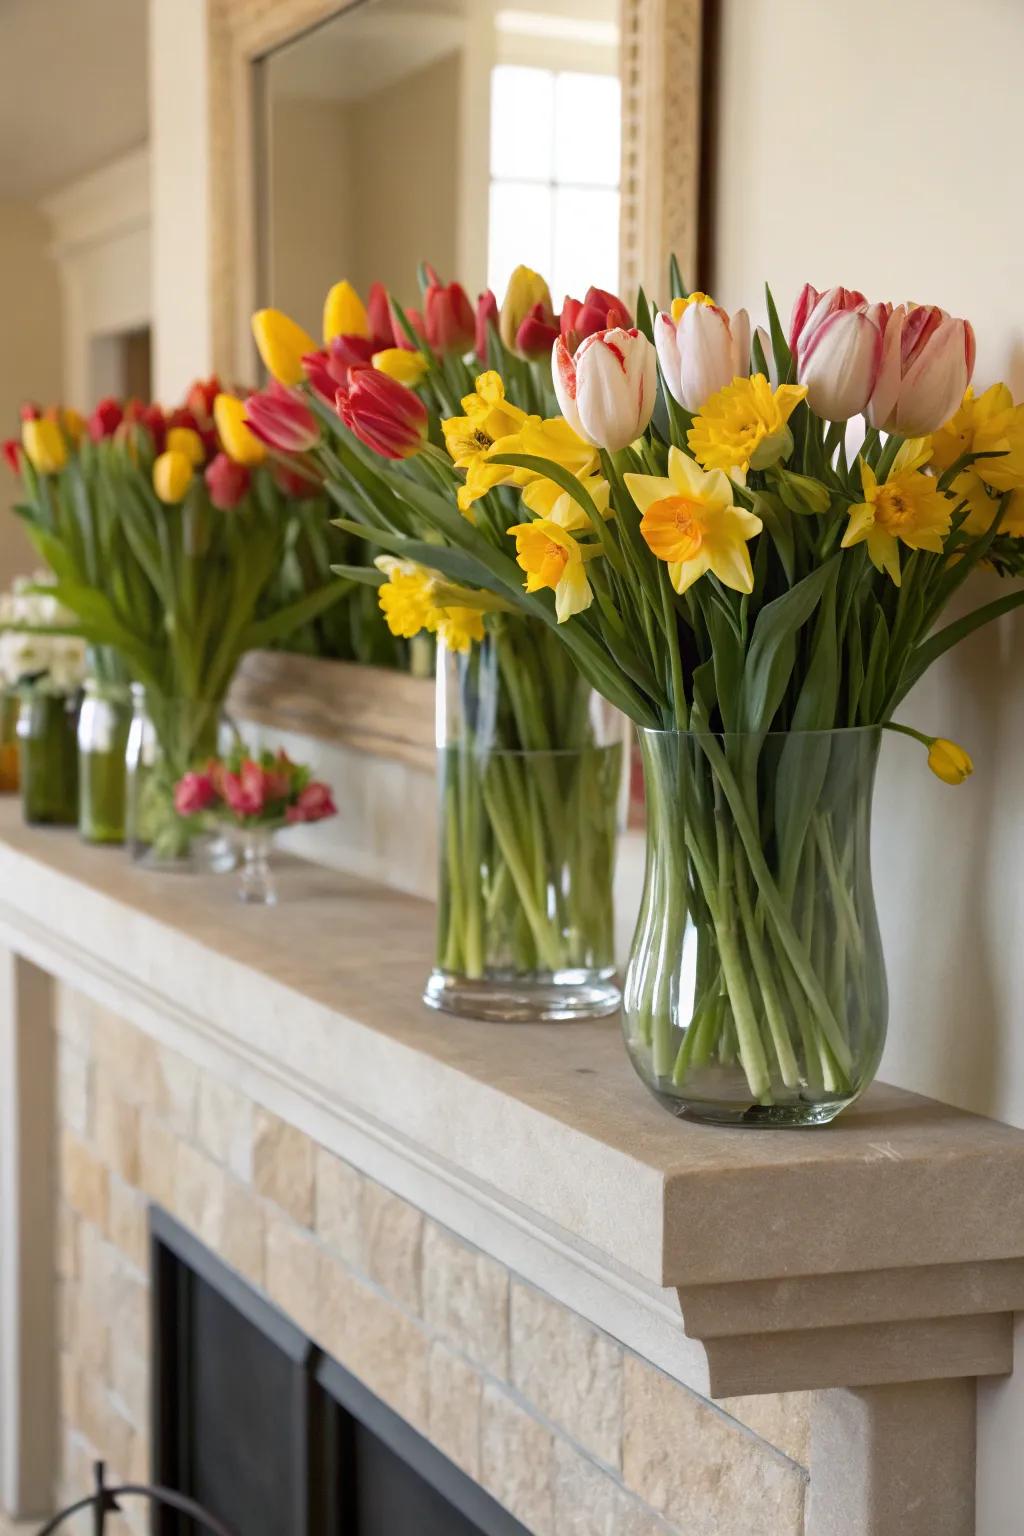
{"x":243,"y":792}
{"x":227,"y":482}
{"x":378,"y":317}
{"x":29,"y":411}
{"x":201,"y":396}
{"x":193,"y":793}
{"x":152,"y":418}
{"x":281,"y":419}
{"x":314,"y":803}
{"x":295,"y":483}
{"x":327,"y":371}
{"x":598,"y":311}
{"x":400,"y":339}
{"x":105,"y":419}
{"x":450,"y":323}
{"x":537,"y":333}
{"x":383,"y":414}
{"x":486,"y":318}
{"x":12,"y":454}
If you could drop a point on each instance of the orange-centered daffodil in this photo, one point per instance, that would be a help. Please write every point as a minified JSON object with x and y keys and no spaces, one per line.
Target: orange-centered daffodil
{"x":690,"y":522}
{"x":905,"y":509}
{"x":552,"y":558}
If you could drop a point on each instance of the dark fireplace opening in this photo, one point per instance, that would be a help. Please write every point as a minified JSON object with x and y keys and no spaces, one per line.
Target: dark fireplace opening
{"x":271,"y":1436}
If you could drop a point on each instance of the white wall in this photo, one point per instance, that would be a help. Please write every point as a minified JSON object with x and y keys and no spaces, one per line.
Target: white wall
{"x":877,"y":145}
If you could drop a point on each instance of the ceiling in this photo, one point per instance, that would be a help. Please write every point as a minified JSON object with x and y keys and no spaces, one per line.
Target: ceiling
{"x":73,"y":91}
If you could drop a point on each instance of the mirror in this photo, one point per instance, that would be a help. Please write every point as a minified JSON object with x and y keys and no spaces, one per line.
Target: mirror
{"x":466,"y":133}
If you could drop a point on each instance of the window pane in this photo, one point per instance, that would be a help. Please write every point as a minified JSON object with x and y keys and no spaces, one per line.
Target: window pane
{"x":522,"y":122}
{"x":586,"y":241}
{"x":520,"y":231}
{"x":588,"y":121}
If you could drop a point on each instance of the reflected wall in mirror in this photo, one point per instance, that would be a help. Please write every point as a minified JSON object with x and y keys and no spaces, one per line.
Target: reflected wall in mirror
{"x":466,"y":133}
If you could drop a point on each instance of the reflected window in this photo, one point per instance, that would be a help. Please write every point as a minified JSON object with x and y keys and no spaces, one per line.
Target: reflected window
{"x":554,"y":194}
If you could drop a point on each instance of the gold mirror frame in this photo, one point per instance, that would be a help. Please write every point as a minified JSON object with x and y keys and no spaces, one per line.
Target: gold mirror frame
{"x":663,"y":47}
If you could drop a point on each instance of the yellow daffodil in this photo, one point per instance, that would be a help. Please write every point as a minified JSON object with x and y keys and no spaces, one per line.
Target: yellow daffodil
{"x":282,"y":345}
{"x":406,"y":598}
{"x":987,"y":423}
{"x":546,"y":499}
{"x":556,"y":440}
{"x":525,"y":289}
{"x":45,"y":445}
{"x":949,"y":762}
{"x":552,"y":558}
{"x":235,"y":437}
{"x":488,"y":417}
{"x":690,"y":522}
{"x":744,"y":426}
{"x":172,"y":476}
{"x":460,"y":627}
{"x":401,"y":364}
{"x":344,"y":314}
{"x":186,"y":441}
{"x":905,"y":509}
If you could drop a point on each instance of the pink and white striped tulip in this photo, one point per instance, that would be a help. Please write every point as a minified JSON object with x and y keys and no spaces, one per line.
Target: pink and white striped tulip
{"x":837,"y":350}
{"x":607,"y":391}
{"x":926,"y":366}
{"x":702,"y":351}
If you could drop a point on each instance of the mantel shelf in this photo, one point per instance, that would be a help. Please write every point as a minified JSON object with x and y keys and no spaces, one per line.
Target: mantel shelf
{"x":895,"y":1235}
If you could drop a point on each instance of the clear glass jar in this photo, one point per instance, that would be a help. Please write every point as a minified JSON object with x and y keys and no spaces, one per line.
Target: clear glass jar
{"x":755,"y":992}
{"x":103,"y":726}
{"x":531,"y":783}
{"x":9,"y":777}
{"x":48,"y":756}
{"x":166,"y":738}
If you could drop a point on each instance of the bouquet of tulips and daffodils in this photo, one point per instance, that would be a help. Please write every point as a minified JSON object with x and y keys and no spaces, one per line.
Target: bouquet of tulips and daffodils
{"x":756,"y":587}
{"x":387,"y":405}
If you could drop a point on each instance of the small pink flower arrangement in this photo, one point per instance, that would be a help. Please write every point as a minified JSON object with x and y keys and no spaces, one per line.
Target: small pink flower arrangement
{"x":265,"y":791}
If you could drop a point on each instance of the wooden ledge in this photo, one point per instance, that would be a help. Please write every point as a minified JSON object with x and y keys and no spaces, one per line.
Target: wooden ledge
{"x":886,"y":1247}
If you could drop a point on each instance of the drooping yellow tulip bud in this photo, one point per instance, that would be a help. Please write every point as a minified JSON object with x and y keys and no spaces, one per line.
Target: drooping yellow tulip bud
{"x":401,"y":364}
{"x":186,"y":441}
{"x":45,"y":445}
{"x":282,"y":345}
{"x":235,"y":438}
{"x":172,"y":476}
{"x":525,"y":289}
{"x":949,"y":762}
{"x":344,"y":313}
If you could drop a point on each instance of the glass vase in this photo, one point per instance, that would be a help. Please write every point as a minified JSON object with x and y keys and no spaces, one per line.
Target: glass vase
{"x":48,"y":757}
{"x":256,"y":885}
{"x":755,"y":992}
{"x":166,"y":738}
{"x":530,"y":779}
{"x":103,"y":727}
{"x":9,"y":778}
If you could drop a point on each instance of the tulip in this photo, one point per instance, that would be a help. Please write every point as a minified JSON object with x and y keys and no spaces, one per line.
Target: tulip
{"x":314,"y":803}
{"x":193,"y":793}
{"x":538,"y":333}
{"x":344,"y":313}
{"x":486,"y":317}
{"x":29,"y":411}
{"x":235,"y":438}
{"x":187,"y":440}
{"x":71,"y":422}
{"x":105,"y":419}
{"x":607,"y":392}
{"x":449,"y":319}
{"x":837,"y":349}
{"x":243,"y":792}
{"x":282,"y":345}
{"x":525,"y":289}
{"x":378,"y":317}
{"x":599,"y":311}
{"x":701,"y":349}
{"x":202,"y":397}
{"x":383,"y":414}
{"x":949,"y":762}
{"x":926,"y":366}
{"x":152,"y":418}
{"x":172,"y":476}
{"x":44,"y":444}
{"x":407,"y":367}
{"x":398,"y":332}
{"x":227,"y":482}
{"x":12,"y":454}
{"x":282,"y":420}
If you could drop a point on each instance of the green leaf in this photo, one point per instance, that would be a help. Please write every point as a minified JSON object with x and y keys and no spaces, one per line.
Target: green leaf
{"x":366,"y":575}
{"x":803,"y":762}
{"x":930,"y":650}
{"x":772,"y":652}
{"x":677,"y":287}
{"x":263,"y":632}
{"x":872,"y":703}
{"x":780,"y":346}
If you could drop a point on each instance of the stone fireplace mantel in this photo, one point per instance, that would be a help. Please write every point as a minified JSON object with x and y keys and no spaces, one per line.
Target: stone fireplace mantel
{"x":885,"y":1253}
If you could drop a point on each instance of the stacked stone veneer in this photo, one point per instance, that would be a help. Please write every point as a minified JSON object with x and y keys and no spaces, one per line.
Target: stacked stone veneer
{"x":570,"y":1431}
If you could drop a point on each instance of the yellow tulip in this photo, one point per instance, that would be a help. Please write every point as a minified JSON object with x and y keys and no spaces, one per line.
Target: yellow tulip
{"x":401,"y":364}
{"x":45,"y":446}
{"x":74,"y":425}
{"x":172,"y":476}
{"x":186,"y":441}
{"x":949,"y":762}
{"x":282,"y":345}
{"x":344,"y":314}
{"x":235,"y":437}
{"x":525,"y":289}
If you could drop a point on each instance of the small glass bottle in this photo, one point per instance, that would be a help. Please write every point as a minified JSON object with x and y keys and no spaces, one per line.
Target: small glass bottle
{"x":102,"y":743}
{"x":8,"y":741}
{"x":48,"y":756}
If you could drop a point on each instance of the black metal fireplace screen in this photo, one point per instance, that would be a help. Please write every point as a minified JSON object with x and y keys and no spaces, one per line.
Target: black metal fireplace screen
{"x":270,"y":1436}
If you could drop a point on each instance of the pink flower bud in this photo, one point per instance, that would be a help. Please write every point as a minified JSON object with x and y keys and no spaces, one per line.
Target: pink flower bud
{"x":194,"y":792}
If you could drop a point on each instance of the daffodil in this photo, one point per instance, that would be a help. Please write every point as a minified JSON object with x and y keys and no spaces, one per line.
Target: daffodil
{"x":406,"y":598}
{"x":459,"y":627}
{"x":553,"y":439}
{"x":546,"y":499}
{"x":690,"y":522}
{"x":488,"y":418}
{"x":986,"y":423}
{"x":401,"y":364}
{"x":905,"y":509}
{"x":552,"y":558}
{"x":744,"y":426}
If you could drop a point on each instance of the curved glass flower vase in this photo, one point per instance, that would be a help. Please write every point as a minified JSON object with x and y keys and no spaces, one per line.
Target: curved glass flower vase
{"x":48,"y":757}
{"x":755,"y":992}
{"x":9,"y":777}
{"x":166,"y":738}
{"x":256,"y":885}
{"x":102,"y":743}
{"x":530,"y":770}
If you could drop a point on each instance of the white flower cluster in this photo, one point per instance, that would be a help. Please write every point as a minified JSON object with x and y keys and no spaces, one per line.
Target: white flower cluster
{"x":56,"y":662}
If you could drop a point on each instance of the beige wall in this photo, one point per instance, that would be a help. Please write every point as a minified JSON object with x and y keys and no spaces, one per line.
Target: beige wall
{"x":30,"y":351}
